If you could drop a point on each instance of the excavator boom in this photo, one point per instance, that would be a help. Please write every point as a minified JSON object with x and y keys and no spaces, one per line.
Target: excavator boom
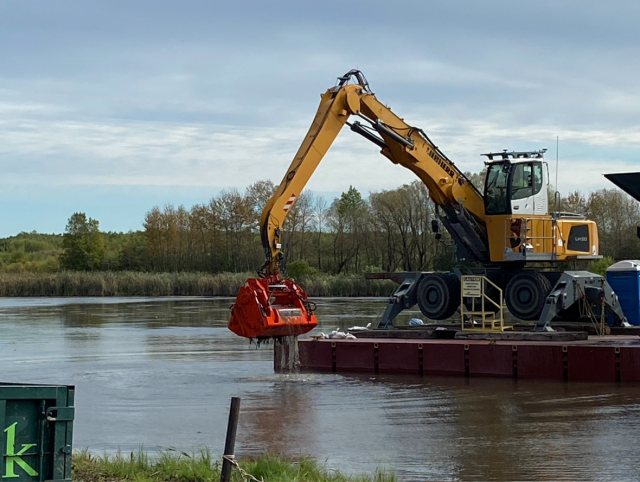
{"x":401,"y":143}
{"x":273,"y":307}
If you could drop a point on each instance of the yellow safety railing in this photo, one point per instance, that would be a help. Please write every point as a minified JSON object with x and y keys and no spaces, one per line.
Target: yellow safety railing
{"x":519,"y":233}
{"x":474,"y":289}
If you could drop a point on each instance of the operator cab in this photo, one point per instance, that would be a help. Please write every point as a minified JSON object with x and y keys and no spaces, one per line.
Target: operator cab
{"x":516,"y":183}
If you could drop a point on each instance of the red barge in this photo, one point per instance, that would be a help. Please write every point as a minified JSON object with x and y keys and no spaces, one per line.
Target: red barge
{"x":601,"y":359}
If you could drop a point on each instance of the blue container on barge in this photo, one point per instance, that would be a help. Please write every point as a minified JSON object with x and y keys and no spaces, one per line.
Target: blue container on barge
{"x":624,"y":278}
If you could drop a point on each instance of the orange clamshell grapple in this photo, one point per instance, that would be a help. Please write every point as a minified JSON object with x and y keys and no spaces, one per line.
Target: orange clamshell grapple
{"x":268,"y":307}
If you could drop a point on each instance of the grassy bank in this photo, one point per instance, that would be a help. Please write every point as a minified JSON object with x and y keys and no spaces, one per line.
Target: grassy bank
{"x":179,"y":467}
{"x":129,"y":283}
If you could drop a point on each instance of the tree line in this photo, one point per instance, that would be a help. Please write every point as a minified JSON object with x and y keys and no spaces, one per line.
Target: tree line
{"x":387,"y":231}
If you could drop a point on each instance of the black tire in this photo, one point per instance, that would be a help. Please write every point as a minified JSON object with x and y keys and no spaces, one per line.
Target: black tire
{"x":526,"y":294}
{"x":439,"y":295}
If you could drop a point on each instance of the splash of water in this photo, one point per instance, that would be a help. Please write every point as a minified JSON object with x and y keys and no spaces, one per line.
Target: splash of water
{"x":289,"y":354}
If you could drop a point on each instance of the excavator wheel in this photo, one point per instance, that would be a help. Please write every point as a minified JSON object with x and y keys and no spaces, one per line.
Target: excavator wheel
{"x":526,"y":294}
{"x":439,"y":295}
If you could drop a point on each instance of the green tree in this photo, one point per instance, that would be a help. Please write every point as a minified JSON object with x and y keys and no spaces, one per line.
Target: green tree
{"x":299,"y":268}
{"x":83,"y":243}
{"x":404,"y":216}
{"x":616,"y":216}
{"x":348,"y":217}
{"x":133,"y":253}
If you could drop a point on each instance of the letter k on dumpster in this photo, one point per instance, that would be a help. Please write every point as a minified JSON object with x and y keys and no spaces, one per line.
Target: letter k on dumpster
{"x":12,"y":458}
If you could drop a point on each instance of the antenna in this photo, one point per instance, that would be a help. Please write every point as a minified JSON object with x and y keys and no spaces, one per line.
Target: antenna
{"x":557,"y":193}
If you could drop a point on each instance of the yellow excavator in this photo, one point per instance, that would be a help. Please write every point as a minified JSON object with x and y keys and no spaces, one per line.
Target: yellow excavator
{"x":508,"y":229}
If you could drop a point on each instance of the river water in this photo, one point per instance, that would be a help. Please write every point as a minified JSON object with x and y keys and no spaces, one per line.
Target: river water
{"x":159,"y":373}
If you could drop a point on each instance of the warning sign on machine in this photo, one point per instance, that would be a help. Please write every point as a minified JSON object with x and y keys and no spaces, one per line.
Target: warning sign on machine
{"x":472,"y":286}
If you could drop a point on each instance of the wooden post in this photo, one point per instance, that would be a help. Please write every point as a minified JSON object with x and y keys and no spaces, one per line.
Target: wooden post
{"x":230,"y":442}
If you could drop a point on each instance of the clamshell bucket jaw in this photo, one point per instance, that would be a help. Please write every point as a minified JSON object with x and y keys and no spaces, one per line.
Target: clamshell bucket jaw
{"x":272,"y":308}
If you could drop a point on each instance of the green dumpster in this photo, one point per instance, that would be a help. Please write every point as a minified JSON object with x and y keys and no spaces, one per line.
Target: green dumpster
{"x":36,"y":427}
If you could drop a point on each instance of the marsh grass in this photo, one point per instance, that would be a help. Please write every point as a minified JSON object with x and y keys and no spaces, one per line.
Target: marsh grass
{"x":131,"y":283}
{"x":174,"y":466}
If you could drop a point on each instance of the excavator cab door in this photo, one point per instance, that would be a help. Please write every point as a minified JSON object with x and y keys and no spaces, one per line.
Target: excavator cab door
{"x":526,"y":188}
{"x":496,"y":189}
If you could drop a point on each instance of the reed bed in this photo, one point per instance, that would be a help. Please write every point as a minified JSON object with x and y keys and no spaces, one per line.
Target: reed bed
{"x":173,"y":466}
{"x":129,"y":283}
{"x":327,"y":285}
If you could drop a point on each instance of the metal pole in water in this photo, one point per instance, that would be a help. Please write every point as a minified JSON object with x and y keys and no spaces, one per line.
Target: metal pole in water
{"x":230,"y":442}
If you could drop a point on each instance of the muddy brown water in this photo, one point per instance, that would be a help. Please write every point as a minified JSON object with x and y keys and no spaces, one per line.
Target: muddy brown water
{"x":159,"y":373}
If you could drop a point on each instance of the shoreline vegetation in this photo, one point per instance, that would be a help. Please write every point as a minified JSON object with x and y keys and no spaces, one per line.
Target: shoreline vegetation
{"x":210,"y":249}
{"x":327,"y":243}
{"x":135,"y":283}
{"x":172,"y":466}
{"x":131,"y":283}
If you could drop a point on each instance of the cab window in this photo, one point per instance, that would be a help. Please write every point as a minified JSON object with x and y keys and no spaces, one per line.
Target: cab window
{"x":526,"y":180}
{"x":537,"y":177}
{"x":495,"y":191}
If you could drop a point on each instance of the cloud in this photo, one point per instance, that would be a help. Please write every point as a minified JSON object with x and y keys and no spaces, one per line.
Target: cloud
{"x":156,"y":153}
{"x":220,"y":95}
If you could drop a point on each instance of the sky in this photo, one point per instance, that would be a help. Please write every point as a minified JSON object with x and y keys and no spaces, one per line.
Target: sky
{"x":113,"y":107}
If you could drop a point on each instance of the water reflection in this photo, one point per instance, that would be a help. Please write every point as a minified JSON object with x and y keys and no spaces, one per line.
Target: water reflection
{"x":281,"y":420}
{"x":160,"y":372}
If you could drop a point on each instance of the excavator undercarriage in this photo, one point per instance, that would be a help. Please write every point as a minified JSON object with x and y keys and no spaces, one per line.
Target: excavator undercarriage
{"x":543,"y":296}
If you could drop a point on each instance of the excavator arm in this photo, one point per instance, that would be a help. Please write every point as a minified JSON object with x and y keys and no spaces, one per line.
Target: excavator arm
{"x":272,"y":307}
{"x":449,"y":188}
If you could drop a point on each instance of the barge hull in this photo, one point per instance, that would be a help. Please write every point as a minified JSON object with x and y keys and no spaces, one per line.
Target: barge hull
{"x":605,"y":359}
